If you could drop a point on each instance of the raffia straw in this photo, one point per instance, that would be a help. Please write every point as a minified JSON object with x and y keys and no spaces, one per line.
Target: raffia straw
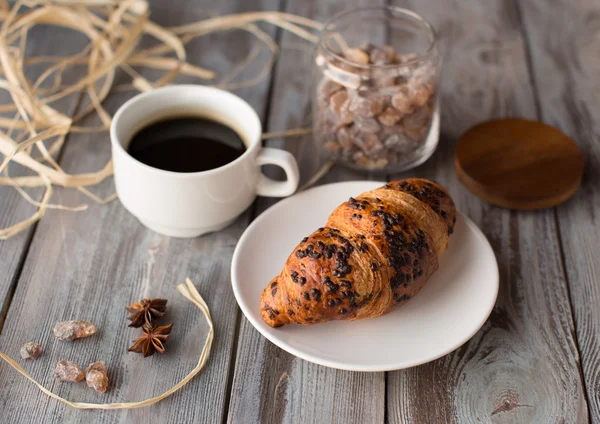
{"x":188,"y":290}
{"x":34,"y":202}
{"x":139,"y":6}
{"x":114,"y":28}
{"x":36,"y":181}
{"x":295,"y":132}
{"x":51,"y":132}
{"x":265,"y":38}
{"x":167,"y":63}
{"x":96,"y":198}
{"x":228,"y":21}
{"x":9,"y":232}
{"x":239,"y":68}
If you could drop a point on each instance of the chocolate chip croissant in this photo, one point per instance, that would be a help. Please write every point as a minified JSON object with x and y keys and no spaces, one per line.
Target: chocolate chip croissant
{"x":376,"y":251}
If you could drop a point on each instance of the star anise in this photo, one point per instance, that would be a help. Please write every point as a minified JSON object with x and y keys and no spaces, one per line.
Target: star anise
{"x":143,"y":312}
{"x":153,"y":340}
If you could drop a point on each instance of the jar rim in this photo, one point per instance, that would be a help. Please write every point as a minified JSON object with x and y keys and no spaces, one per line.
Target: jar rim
{"x":395,"y":9}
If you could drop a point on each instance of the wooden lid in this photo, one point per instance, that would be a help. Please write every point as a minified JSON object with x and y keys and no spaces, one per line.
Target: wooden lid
{"x":519,"y":164}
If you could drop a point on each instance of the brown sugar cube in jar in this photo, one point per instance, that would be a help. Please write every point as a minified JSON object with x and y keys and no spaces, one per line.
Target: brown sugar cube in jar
{"x":369,"y":143}
{"x":328,"y":87}
{"x":366,"y":125}
{"x":417,"y":124}
{"x":389,"y":117}
{"x":325,"y":90}
{"x":421,"y":92}
{"x":337,"y":100}
{"x":333,"y":147}
{"x":421,"y":117}
{"x":367,"y":47}
{"x":346,"y":116}
{"x":398,"y":142}
{"x":405,"y":57}
{"x":417,"y":134}
{"x":357,"y":56}
{"x":380,"y":163}
{"x":344,"y":137}
{"x":366,"y":106}
{"x":402,"y":101}
{"x":387,"y":82}
{"x":382,"y":56}
{"x":360,"y":158}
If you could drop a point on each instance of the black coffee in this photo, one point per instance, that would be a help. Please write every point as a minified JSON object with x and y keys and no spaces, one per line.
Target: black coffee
{"x":186,"y":144}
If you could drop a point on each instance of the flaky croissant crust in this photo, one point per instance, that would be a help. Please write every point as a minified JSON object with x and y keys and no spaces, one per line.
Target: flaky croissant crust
{"x":376,"y":251}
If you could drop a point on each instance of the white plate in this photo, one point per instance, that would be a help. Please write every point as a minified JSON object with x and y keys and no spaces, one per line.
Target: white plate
{"x":447,"y":312}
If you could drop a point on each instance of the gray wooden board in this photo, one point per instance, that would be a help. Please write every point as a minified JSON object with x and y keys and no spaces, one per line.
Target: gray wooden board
{"x":13,"y":208}
{"x":523,"y":365}
{"x":271,"y":385}
{"x":90,"y":265}
{"x":563,"y":45}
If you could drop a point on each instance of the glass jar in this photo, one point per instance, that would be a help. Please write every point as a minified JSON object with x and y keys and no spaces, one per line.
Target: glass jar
{"x":377,"y":74}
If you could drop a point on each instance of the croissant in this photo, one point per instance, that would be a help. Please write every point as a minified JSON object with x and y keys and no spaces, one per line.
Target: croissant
{"x":376,"y":251}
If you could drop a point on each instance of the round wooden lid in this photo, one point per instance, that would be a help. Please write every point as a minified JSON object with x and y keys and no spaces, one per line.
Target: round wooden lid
{"x":519,"y":164}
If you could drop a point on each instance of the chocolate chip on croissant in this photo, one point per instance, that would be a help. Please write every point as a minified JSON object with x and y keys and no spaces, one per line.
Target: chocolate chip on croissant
{"x":376,"y":251}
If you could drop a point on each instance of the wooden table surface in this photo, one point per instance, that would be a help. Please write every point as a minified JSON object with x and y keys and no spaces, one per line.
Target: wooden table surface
{"x":536,"y":359}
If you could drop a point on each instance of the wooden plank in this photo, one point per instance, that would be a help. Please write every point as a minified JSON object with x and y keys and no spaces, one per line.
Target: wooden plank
{"x":43,"y":40}
{"x":523,"y":365}
{"x":563,"y":43}
{"x":269,"y":384}
{"x":90,"y":265}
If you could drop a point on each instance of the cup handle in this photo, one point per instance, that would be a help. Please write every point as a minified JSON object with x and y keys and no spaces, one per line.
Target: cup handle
{"x":270,"y":188}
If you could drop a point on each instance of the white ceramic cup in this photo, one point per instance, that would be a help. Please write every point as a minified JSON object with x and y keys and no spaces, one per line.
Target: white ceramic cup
{"x":190,"y":204}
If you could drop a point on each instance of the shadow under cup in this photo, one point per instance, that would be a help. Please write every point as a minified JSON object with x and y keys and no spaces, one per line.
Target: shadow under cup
{"x":186,"y":204}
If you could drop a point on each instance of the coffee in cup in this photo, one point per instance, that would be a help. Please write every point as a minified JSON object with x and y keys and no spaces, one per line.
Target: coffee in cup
{"x":187,"y":159}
